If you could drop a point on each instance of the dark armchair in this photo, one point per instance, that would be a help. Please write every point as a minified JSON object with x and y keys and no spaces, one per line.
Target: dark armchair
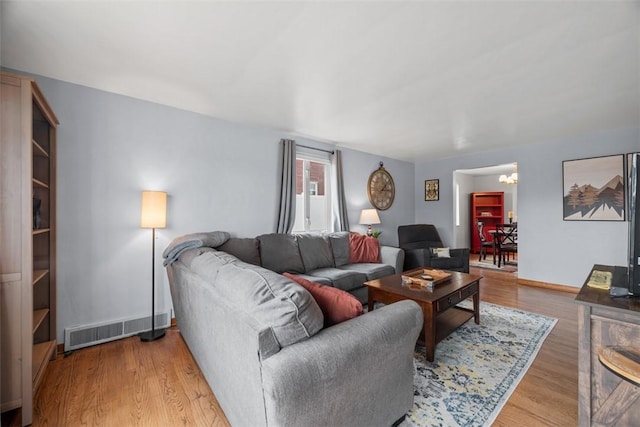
{"x":418,"y":242}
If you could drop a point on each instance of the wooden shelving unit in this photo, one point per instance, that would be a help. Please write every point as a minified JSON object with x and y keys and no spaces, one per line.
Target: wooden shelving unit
{"x":28,"y":237}
{"x":488,"y":208}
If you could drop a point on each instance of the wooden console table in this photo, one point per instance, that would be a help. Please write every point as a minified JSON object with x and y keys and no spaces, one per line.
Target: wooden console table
{"x":604,"y":398}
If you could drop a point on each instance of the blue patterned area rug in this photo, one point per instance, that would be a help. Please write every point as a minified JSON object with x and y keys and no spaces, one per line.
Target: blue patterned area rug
{"x":476,"y":368}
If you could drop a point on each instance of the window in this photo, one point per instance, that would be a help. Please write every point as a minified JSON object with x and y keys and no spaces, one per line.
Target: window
{"x":457,"y":205}
{"x":313,"y":192}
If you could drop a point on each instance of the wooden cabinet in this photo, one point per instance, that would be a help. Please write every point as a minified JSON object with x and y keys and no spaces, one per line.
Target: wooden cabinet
{"x":27,"y":241}
{"x":488,"y":208}
{"x":604,"y":398}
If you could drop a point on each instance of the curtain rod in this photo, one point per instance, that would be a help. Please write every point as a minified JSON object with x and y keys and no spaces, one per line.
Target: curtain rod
{"x":319,"y":149}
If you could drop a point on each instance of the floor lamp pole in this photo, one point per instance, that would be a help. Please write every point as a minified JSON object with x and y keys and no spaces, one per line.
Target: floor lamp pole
{"x":152,"y":334}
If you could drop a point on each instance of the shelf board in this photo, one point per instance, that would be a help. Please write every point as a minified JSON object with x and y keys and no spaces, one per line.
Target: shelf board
{"x":38,"y":150}
{"x":38,"y":317}
{"x":38,"y":275}
{"x":41,"y":231}
{"x":450,"y":320}
{"x":39,"y":183}
{"x":42,"y":353}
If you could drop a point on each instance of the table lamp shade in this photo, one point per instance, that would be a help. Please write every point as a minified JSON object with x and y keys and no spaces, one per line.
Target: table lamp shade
{"x":369,"y":216}
{"x":154,"y":209}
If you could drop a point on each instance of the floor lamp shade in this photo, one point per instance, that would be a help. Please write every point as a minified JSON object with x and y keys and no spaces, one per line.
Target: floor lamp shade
{"x":153,"y":215}
{"x":154,"y":209}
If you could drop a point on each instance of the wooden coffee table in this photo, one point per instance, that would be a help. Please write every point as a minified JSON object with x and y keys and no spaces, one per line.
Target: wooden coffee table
{"x":441,"y":315}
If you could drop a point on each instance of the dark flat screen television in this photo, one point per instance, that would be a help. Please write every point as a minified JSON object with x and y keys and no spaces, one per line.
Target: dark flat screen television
{"x":626,"y":280}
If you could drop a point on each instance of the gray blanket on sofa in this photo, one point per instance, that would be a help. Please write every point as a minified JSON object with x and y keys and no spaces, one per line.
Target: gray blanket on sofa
{"x":180,"y":244}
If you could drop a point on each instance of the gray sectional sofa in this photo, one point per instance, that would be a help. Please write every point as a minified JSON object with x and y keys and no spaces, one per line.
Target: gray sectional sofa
{"x":318,"y":257}
{"x":259,"y":339}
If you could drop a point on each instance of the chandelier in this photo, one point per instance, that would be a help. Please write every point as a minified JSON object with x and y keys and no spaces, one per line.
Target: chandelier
{"x":511,"y":179}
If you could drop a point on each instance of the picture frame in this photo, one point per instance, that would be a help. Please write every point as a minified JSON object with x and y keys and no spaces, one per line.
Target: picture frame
{"x":431,"y":190}
{"x":594,"y":189}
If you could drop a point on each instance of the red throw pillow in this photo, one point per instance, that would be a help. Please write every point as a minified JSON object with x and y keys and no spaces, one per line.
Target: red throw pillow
{"x":363,"y":249}
{"x":336,"y":304}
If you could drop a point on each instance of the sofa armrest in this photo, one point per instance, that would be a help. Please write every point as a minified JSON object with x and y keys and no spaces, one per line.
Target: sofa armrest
{"x":359,"y":371}
{"x":392,"y":256}
{"x":462,"y":253}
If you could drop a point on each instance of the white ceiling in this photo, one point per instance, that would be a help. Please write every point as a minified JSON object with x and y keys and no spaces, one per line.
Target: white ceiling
{"x":407,"y":80}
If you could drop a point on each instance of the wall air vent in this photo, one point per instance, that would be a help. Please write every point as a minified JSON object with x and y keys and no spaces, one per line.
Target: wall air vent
{"x":87,"y":335}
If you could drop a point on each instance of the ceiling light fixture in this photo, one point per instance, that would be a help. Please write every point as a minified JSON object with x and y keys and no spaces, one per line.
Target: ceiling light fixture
{"x":511,"y":179}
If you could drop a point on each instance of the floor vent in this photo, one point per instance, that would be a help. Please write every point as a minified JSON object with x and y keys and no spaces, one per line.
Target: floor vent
{"x":84,"y":336}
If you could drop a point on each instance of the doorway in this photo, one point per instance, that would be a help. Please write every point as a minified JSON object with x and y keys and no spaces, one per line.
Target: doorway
{"x":499,"y":178}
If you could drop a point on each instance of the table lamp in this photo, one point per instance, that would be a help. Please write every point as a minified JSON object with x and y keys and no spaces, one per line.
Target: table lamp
{"x":153,"y":215}
{"x":369,"y":217}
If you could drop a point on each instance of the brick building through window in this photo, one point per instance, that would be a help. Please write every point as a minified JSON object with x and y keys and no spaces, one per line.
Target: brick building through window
{"x":316,"y":178}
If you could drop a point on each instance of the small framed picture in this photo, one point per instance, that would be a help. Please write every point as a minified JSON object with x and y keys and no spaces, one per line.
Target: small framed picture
{"x":431,"y":190}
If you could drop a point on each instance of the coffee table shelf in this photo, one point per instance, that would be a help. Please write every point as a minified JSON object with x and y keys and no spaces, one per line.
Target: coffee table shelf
{"x":451,"y":320}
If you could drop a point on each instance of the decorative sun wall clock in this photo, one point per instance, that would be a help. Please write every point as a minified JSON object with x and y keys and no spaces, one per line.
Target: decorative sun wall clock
{"x":381,"y":189}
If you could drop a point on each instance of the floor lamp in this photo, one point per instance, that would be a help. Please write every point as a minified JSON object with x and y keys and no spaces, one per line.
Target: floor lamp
{"x":154,"y":215}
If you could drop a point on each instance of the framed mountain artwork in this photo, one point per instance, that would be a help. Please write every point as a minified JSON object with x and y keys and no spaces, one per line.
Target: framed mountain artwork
{"x":594,"y":189}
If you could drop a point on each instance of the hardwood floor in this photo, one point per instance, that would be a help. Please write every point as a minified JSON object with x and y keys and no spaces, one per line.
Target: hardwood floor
{"x":130,"y":383}
{"x":548,"y":393}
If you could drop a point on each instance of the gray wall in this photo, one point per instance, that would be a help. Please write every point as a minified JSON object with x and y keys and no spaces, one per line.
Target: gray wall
{"x":223,"y":176}
{"x":550,"y":249}
{"x":358,"y":165}
{"x":218,"y":175}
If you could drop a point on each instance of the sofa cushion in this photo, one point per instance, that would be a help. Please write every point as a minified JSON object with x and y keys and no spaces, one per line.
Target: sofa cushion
{"x":315,"y":251}
{"x":280,"y":253}
{"x":341,"y":279}
{"x":373,"y":271}
{"x":316,"y":279}
{"x":363,"y":248}
{"x":274,"y":301}
{"x":336,"y":305}
{"x":247,"y":250}
{"x":340,"y":247}
{"x":207,"y":262}
{"x":447,"y":263}
{"x":189,"y":255}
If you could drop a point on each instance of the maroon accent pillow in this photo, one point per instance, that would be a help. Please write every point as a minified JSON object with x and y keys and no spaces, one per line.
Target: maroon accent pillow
{"x":363,"y":249}
{"x":336,"y":304}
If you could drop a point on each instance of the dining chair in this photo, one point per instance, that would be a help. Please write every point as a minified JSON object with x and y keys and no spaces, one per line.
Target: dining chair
{"x":507,"y":241}
{"x":484,"y":242}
